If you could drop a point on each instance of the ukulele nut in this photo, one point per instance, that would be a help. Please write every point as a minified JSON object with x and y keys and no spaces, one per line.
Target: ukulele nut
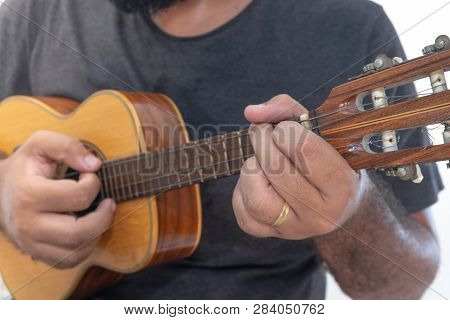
{"x":305,"y":121}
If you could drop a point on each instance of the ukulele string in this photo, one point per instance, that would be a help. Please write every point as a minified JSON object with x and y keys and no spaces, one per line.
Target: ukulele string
{"x":158,"y":154}
{"x":375,"y":122}
{"x":188,"y":172}
{"x":189,"y":180}
{"x":247,"y":153}
{"x":233,"y":135}
{"x":321,"y":126}
{"x":223,"y":138}
{"x":116,"y":190}
{"x":157,"y":157}
{"x":180,"y":184}
{"x":368,"y":104}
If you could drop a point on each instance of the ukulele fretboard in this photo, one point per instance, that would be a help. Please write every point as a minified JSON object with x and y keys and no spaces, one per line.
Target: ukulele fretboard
{"x":159,"y":171}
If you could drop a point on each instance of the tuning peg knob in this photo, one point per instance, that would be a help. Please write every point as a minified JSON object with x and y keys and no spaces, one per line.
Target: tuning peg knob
{"x":369,"y":68}
{"x":397,"y":61}
{"x":381,"y":62}
{"x":410,"y":172}
{"x":429,"y":50}
{"x":441,"y":43}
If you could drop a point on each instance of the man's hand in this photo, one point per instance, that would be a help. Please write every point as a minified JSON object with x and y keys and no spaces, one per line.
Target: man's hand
{"x":34,"y":207}
{"x":295,"y":166}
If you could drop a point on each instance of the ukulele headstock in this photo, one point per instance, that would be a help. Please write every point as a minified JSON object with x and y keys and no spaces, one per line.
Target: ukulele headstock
{"x":363,"y":121}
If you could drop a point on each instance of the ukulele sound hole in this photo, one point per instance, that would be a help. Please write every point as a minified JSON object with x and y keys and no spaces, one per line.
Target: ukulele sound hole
{"x":64,"y":172}
{"x":74,"y":175}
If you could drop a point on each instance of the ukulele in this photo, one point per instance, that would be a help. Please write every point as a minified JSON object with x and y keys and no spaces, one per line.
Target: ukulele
{"x":152,"y":170}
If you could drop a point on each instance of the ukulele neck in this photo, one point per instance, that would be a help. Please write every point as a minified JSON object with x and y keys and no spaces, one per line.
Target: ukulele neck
{"x":167,"y":169}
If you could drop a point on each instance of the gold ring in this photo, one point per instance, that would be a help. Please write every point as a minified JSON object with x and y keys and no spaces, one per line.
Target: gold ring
{"x":283,"y":216}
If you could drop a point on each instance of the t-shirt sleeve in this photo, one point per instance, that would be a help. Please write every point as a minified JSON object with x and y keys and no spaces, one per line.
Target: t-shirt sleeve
{"x":14,"y":48}
{"x":413,"y":197}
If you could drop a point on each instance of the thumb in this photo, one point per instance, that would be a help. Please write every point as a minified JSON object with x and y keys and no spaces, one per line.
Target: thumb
{"x":277,"y":109}
{"x":55,"y":147}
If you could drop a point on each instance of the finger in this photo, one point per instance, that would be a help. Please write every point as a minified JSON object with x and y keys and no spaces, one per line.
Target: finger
{"x":317,"y":160}
{"x":62,"y":149}
{"x":279,"y":108}
{"x":65,"y":195}
{"x":246,"y":222}
{"x":69,"y":232}
{"x":261,"y":201}
{"x":289,"y":183}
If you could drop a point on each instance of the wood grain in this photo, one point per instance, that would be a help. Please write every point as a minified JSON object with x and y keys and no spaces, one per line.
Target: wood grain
{"x":344,"y":125}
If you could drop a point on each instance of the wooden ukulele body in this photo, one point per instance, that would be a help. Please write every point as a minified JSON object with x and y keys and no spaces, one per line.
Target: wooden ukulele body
{"x":146,"y":231}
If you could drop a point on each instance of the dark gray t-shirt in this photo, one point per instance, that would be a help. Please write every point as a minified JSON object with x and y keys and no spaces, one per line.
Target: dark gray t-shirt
{"x":73,"y":48}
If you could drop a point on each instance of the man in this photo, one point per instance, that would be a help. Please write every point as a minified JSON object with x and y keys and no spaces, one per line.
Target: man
{"x":214,"y":57}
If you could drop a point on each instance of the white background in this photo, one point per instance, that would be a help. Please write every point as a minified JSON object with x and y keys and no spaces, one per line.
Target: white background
{"x":404,"y":14}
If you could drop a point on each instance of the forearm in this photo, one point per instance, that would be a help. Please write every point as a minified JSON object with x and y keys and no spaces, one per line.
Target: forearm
{"x":380,"y":253}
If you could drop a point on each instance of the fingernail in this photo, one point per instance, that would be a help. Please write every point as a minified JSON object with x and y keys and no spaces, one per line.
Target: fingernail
{"x":91,"y":161}
{"x":256,"y":105}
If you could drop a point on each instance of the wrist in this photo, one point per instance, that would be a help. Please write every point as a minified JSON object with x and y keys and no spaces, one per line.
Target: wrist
{"x":354,"y":212}
{"x":363,"y":190}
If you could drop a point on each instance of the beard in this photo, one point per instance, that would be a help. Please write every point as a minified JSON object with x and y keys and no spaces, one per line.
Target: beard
{"x":141,"y":5}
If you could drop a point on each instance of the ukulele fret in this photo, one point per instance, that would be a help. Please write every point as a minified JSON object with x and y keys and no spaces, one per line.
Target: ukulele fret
{"x":116,"y":184}
{"x":130,"y":191}
{"x":135,"y":179}
{"x":241,"y":150}
{"x":109,"y":182}
{"x":211,"y":155}
{"x":188,"y":172}
{"x":121,"y":180}
{"x":197,"y":161}
{"x":224,"y":145}
{"x":160,"y":163}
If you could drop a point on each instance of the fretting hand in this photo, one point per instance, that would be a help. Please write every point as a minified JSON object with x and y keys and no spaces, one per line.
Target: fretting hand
{"x":297,"y":186}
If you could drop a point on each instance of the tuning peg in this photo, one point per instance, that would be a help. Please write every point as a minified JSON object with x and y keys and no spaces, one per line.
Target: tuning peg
{"x":389,"y":138}
{"x":381,"y":62}
{"x":380,"y":99}
{"x":441,"y":43}
{"x":397,"y":61}
{"x":437,"y":78}
{"x":411,"y":172}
